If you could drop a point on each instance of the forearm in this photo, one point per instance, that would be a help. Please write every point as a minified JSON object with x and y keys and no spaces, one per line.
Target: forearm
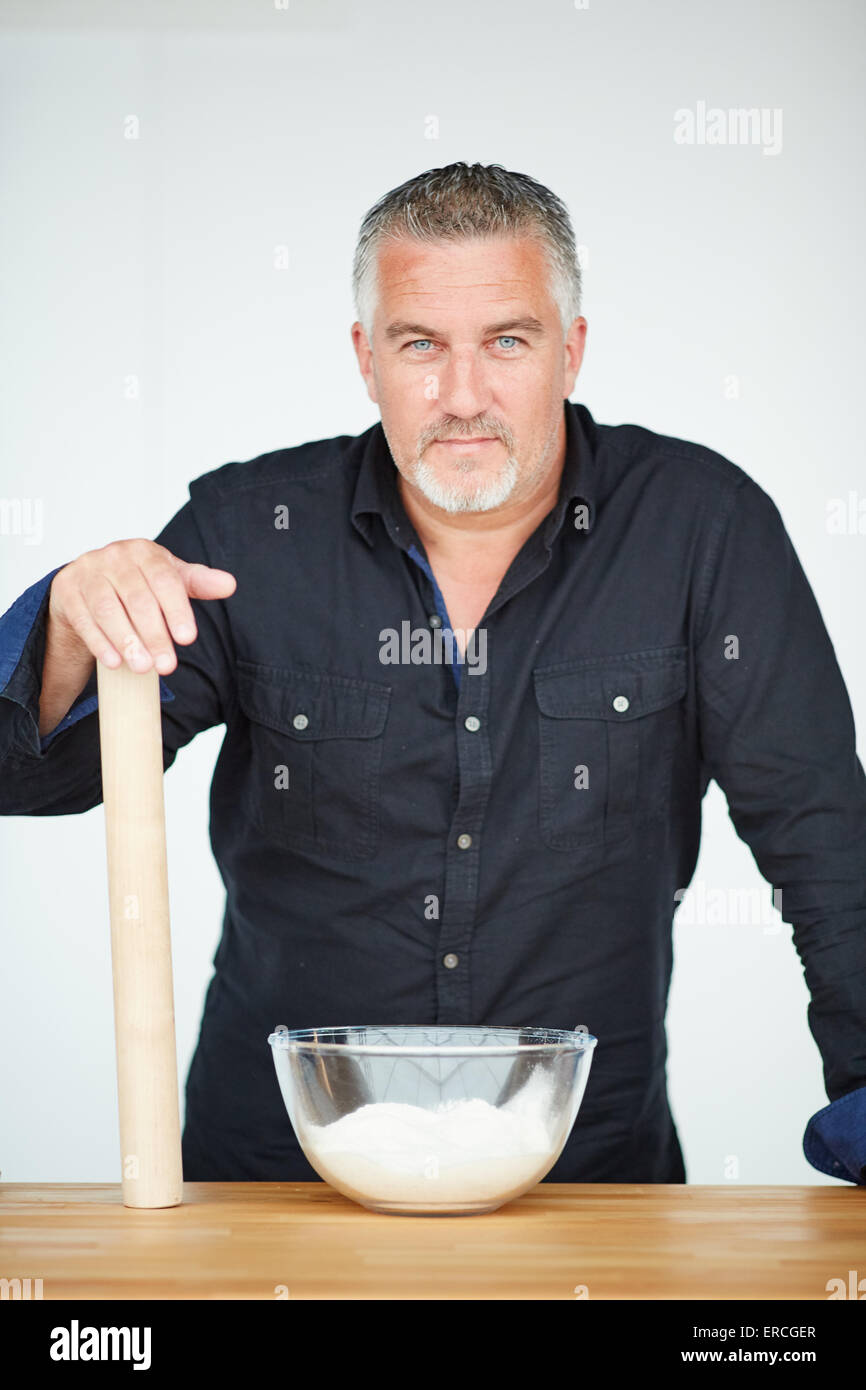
{"x":66,"y":669}
{"x":833,"y":954}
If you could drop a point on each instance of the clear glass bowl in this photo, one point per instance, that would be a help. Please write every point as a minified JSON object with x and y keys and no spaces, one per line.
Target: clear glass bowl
{"x":432,"y":1120}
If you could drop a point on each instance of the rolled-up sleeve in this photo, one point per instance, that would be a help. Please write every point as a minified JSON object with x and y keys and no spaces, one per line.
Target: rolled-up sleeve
{"x":777,"y":734}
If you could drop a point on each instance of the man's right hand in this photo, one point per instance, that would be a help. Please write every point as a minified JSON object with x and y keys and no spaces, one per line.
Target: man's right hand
{"x":129,"y":601}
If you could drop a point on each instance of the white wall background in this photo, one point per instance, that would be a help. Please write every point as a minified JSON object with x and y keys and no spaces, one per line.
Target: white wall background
{"x":154,"y":258}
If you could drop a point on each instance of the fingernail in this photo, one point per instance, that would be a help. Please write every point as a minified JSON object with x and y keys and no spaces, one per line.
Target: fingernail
{"x":138,"y":659}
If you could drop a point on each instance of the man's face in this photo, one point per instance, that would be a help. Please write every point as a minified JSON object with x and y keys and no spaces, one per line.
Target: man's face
{"x":469,"y":367}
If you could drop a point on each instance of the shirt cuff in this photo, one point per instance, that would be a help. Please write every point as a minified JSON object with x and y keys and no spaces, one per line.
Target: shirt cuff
{"x":835,"y":1138}
{"x":22,"y":632}
{"x":86,"y":703}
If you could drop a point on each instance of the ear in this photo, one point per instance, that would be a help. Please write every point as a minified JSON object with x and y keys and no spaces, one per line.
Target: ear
{"x":573,"y":347}
{"x":364,"y":354}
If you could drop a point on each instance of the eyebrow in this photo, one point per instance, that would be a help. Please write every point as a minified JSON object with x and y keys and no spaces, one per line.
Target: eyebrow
{"x":527,"y":324}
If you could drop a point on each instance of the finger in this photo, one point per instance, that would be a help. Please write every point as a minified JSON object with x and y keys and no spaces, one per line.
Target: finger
{"x":168,"y":586}
{"x":109,"y":613}
{"x":77,"y":616}
{"x":145,"y":613}
{"x":203,"y":581}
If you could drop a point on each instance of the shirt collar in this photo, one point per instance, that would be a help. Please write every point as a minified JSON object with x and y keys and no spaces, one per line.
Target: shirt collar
{"x":376,"y":489}
{"x":578,"y":482}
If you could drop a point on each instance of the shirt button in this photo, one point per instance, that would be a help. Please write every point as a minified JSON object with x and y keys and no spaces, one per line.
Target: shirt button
{"x":620,"y":704}
{"x":473,"y":723}
{"x":464,"y":841}
{"x":450,"y":960}
{"x":434,"y":620}
{"x":300,"y":721}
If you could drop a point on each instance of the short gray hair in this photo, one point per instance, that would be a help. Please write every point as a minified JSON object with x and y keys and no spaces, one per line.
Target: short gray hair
{"x":464,"y":201}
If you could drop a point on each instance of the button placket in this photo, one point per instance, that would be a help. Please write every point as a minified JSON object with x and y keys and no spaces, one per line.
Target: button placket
{"x":463,"y":851}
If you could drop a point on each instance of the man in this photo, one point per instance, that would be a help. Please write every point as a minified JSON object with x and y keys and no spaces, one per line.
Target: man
{"x":491,"y":828}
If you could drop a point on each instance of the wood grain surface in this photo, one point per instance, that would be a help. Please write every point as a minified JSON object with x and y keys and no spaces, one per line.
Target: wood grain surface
{"x":304,"y":1240}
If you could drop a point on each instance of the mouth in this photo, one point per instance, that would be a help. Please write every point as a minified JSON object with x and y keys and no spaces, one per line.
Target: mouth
{"x":467,"y":443}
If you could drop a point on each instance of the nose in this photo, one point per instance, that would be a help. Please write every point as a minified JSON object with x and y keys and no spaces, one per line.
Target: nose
{"x":464,"y":391}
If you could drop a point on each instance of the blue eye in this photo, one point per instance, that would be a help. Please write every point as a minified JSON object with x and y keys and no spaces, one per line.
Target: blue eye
{"x":503,"y":338}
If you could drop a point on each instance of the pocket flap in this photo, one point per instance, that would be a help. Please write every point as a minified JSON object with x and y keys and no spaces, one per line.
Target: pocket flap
{"x":309,"y":705}
{"x":613,"y":687}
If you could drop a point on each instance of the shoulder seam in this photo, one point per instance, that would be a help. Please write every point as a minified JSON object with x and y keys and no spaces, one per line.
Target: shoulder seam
{"x":267,"y":473}
{"x":665,"y":446}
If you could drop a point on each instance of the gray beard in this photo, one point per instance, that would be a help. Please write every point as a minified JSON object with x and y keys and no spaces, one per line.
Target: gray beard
{"x":453,"y":497}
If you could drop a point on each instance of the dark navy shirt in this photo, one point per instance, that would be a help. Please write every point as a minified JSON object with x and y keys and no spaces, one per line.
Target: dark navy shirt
{"x":504,"y":841}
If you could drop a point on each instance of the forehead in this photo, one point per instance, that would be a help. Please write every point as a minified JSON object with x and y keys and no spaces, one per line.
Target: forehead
{"x":463,"y":273}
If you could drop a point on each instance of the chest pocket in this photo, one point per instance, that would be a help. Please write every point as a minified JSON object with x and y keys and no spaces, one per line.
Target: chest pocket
{"x":607,"y":729}
{"x":316,"y":743}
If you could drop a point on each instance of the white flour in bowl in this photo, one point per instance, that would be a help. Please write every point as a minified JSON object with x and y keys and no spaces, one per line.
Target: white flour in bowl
{"x":463,"y":1151}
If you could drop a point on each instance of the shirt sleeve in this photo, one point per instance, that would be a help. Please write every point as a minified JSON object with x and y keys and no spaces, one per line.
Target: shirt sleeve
{"x":777,"y":734}
{"x":60,"y":773}
{"x":835,"y":1138}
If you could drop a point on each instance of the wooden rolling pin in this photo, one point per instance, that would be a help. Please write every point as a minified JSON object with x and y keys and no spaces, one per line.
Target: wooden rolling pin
{"x":130,"y":737}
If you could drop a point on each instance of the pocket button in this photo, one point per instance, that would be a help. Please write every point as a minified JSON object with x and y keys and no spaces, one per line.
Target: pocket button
{"x":620,"y":703}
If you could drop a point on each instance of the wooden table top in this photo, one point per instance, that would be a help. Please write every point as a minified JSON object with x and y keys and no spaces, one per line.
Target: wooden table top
{"x":264,"y":1240}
